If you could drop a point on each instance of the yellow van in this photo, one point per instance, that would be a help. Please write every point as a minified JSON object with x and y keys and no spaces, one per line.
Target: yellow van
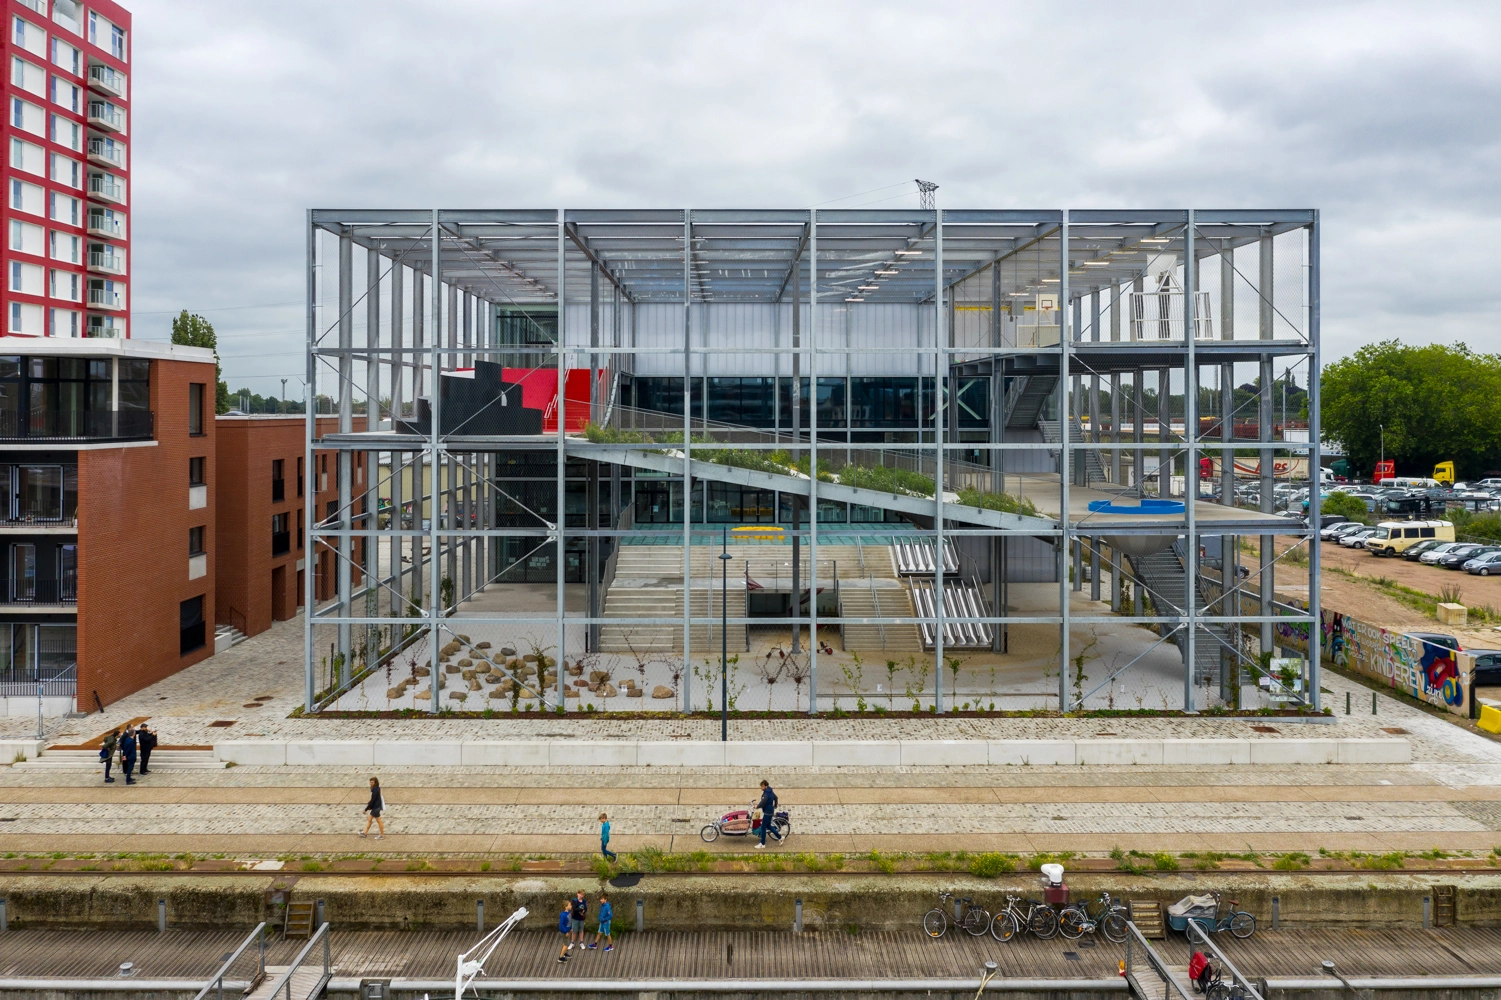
{"x":1394,"y":537}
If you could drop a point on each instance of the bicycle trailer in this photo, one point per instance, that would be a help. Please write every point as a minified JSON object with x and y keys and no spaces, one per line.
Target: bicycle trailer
{"x":1201,"y":908}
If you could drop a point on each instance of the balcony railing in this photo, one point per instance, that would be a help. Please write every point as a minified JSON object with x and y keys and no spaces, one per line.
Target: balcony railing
{"x":111,"y":263}
{"x":106,"y":298}
{"x":105,"y":225}
{"x":107,"y":79}
{"x":281,"y":543}
{"x":107,"y":152}
{"x":106,"y":116}
{"x":34,"y":591}
{"x":57,"y":681}
{"x":106,"y":188}
{"x":76,"y":425}
{"x":104,"y":326}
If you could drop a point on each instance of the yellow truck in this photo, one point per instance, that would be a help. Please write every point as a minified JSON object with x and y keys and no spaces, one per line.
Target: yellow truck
{"x":1392,"y":538}
{"x":1444,"y":473}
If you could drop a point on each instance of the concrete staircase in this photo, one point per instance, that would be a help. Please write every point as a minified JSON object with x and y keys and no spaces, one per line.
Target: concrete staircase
{"x":642,"y":602}
{"x":88,"y":760}
{"x":868,"y":599}
{"x":227,"y":637}
{"x":1163,"y":576}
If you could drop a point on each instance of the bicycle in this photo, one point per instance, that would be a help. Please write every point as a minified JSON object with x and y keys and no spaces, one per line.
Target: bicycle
{"x":1039,"y":918}
{"x":1076,"y":920}
{"x":1218,"y":989}
{"x":1238,"y":922}
{"x":972,"y":917}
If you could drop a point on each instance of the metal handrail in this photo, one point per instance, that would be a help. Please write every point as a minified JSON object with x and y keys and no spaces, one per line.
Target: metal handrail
{"x":1196,"y":935}
{"x":218,"y":981}
{"x":1134,"y":936}
{"x":285,"y":982}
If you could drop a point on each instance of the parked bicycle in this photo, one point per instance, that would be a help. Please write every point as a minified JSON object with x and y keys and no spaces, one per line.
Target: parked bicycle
{"x":1218,"y":989}
{"x":1024,"y":915}
{"x":971,"y":916}
{"x":1076,"y":920}
{"x":1196,"y":927}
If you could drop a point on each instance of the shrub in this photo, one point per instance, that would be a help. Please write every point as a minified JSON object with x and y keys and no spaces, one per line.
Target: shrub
{"x":992,"y":865}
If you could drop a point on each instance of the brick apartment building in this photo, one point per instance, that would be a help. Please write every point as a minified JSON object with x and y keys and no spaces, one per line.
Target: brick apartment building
{"x":67,"y":168}
{"x":262,"y":487}
{"x":107,"y":575}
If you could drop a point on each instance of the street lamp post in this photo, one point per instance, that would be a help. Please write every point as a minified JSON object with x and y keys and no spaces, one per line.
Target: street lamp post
{"x":724,"y":639}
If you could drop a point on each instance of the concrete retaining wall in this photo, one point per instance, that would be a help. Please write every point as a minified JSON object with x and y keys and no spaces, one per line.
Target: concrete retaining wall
{"x":831,"y":753}
{"x":703,"y":902}
{"x":11,"y":749}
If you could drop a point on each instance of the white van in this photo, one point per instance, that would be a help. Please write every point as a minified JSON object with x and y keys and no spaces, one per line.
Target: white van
{"x":1411,"y":483}
{"x":1395,"y":537}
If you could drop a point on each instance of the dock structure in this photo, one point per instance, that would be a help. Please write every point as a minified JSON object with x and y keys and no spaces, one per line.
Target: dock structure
{"x":546,"y":389}
{"x":181,"y":962}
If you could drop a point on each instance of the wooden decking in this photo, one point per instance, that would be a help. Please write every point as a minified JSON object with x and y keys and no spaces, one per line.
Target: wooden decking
{"x":747,"y":954}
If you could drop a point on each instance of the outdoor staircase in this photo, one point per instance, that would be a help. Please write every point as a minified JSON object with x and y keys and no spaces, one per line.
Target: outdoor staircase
{"x":1094,"y":467}
{"x":868,"y":599}
{"x":1163,"y":577}
{"x":88,"y":760}
{"x":298,"y":922}
{"x":226,"y":637}
{"x":1028,"y":405}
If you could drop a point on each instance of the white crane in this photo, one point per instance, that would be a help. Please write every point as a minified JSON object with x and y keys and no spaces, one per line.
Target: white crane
{"x":469,"y":967}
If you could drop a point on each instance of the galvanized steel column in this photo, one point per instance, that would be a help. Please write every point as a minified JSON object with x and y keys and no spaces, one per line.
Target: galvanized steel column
{"x":1190,"y":465}
{"x":812,"y":462}
{"x":344,"y":459}
{"x":560,"y":511}
{"x":1265,"y":581}
{"x":687,"y":670}
{"x":1315,"y":503}
{"x":434,"y":449}
{"x":309,"y":393}
{"x":940,"y":415}
{"x":1065,"y":468}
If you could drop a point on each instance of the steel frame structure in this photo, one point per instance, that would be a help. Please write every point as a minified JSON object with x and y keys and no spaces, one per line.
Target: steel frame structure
{"x":461,"y":265}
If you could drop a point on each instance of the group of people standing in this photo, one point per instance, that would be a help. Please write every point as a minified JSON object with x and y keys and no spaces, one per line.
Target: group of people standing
{"x":125,"y":746}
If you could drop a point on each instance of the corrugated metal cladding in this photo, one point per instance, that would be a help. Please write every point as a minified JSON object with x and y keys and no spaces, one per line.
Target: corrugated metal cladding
{"x":1028,"y":560}
{"x":721,"y":330}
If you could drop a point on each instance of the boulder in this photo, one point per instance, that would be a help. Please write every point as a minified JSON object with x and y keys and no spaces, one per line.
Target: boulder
{"x":423,"y":695}
{"x":397,"y":691}
{"x":635,"y":693}
{"x":599,"y":675}
{"x":527,"y":692}
{"x":504,"y":650}
{"x":458,"y":695}
{"x":506,"y":685}
{"x":466,"y":662}
{"x":449,"y":649}
{"x":570,"y":693}
{"x":528,"y":657}
{"x":606,"y":691}
{"x":474,"y":685}
{"x":451,"y":668}
{"x":583,"y":684}
{"x":462,"y":638}
{"x":421,"y":671}
{"x":467,"y":673}
{"x":662,"y":691}
{"x":482,"y":645}
{"x":548,"y":661}
{"x":498,"y":693}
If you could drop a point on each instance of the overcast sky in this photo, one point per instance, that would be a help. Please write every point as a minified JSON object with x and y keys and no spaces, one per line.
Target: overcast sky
{"x":1384,"y":116}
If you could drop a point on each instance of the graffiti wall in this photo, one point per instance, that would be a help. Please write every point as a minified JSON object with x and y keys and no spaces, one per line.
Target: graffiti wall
{"x":1425,"y":671}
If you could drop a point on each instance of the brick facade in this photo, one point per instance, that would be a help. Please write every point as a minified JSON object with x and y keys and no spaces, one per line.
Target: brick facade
{"x":133,"y":562}
{"x":256,"y":586}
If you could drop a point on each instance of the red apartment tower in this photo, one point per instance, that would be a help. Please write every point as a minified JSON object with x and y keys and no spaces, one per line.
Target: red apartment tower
{"x":67,"y":168}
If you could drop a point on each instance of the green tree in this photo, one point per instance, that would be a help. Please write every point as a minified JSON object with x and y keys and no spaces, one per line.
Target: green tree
{"x":1435,"y":402}
{"x":192,"y":330}
{"x":1344,"y":504}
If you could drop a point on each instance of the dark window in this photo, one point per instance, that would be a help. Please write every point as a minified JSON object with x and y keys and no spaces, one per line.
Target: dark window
{"x":332,"y":512}
{"x":281,"y":538}
{"x":195,"y":408}
{"x":1429,"y":533}
{"x":278,"y":484}
{"x":195,"y":541}
{"x":299,"y":525}
{"x":195,"y":471}
{"x":299,"y":477}
{"x":191,"y":632}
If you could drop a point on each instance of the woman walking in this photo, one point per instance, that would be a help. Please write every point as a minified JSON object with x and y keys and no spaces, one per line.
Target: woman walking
{"x":374,"y":807}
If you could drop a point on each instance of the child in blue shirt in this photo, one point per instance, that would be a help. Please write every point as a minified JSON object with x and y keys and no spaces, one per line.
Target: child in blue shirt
{"x":605,"y":913}
{"x":565,"y":927}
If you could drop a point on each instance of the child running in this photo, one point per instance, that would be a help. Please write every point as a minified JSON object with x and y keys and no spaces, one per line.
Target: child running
{"x":565,"y":927}
{"x":605,"y":913}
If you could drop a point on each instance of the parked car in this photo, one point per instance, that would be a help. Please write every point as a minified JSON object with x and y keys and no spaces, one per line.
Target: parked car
{"x":1486,"y":564}
{"x":1356,"y":539}
{"x":1433,"y":555}
{"x":1437,"y":639}
{"x":1457,"y":557}
{"x":1332,"y":534}
{"x":1328,"y":521}
{"x":1422,"y":547}
{"x":1487,"y":668}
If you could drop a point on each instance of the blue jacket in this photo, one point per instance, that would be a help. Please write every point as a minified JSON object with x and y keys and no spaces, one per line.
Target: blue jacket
{"x":604,"y":832}
{"x":565,"y":922}
{"x":127,"y":746}
{"x":606,"y":911}
{"x":768,"y":803}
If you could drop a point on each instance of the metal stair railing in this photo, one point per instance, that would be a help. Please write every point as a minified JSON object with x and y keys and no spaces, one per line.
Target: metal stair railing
{"x":217,"y":983}
{"x":283,"y":986}
{"x":1197,"y":936}
{"x":1135,"y":943}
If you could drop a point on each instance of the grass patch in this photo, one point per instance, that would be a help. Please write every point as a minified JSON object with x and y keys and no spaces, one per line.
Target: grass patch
{"x":1293,"y":861}
{"x":881,"y":862}
{"x":1383,"y":862}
